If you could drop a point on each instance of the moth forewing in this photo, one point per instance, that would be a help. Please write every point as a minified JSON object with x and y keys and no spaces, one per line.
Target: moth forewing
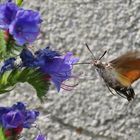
{"x":128,"y":60}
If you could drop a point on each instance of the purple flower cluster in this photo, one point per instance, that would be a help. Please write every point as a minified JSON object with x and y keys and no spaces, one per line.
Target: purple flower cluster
{"x":40,"y":137}
{"x":7,"y":14}
{"x":57,"y":67}
{"x":14,"y":119}
{"x":23,"y":25}
{"x":17,"y":116}
{"x":54,"y":66}
{"x":8,"y":65}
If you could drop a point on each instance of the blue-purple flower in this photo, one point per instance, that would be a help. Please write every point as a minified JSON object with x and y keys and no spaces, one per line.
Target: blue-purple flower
{"x":8,"y":65}
{"x":30,"y":118}
{"x":40,"y":137}
{"x":27,"y":58}
{"x":57,"y":68}
{"x":7,"y":14}
{"x":25,"y":27}
{"x":12,"y":119}
{"x":38,"y":59}
{"x":17,"y":116}
{"x":44,"y":56}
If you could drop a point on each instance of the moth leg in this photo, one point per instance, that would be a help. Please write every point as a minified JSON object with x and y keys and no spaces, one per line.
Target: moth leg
{"x":120,"y":94}
{"x":110,"y":89}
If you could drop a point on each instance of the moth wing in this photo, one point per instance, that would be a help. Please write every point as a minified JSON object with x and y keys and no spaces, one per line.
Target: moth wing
{"x":128,"y":66}
{"x":127,"y":78}
{"x":126,"y":60}
{"x":131,"y":75}
{"x":122,"y":79}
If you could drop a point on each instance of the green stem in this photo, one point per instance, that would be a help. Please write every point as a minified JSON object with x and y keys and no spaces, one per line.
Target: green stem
{"x":2,"y":136}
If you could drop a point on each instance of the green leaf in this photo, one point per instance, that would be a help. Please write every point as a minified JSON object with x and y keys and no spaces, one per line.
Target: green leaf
{"x":8,"y":48}
{"x":2,"y":137}
{"x":2,"y":45}
{"x":19,"y":2}
{"x":9,"y":79}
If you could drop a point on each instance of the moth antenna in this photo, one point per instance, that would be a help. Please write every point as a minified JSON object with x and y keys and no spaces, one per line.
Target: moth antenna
{"x":102,"y":55}
{"x":93,"y":57}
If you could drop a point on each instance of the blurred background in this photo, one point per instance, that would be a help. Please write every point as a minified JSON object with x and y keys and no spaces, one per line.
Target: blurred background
{"x":90,"y":111}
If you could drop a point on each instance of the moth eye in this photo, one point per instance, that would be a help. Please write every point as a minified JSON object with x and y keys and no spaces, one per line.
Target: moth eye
{"x":97,"y":62}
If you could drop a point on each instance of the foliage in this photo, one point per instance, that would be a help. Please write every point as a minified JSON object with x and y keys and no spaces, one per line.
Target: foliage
{"x":8,"y":49}
{"x":35,"y":78}
{"x":2,"y":137}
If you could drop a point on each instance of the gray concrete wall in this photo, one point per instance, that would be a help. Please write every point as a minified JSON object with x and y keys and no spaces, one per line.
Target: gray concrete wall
{"x":112,"y":25}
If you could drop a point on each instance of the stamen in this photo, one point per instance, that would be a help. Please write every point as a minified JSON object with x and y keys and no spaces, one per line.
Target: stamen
{"x":69,"y":85}
{"x":65,"y":88}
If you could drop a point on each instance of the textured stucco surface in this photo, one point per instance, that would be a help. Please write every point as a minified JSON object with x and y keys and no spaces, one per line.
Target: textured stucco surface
{"x":112,"y":25}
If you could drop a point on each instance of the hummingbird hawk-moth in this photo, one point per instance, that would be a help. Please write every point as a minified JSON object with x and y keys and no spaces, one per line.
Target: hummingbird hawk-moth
{"x":119,"y":73}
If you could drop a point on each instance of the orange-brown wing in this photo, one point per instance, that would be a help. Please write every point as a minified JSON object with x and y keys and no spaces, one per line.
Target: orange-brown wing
{"x":132,"y":75}
{"x":126,"y":60}
{"x":128,"y":65}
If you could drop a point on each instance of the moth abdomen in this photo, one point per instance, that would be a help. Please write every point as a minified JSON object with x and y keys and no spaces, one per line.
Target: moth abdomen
{"x":128,"y":92}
